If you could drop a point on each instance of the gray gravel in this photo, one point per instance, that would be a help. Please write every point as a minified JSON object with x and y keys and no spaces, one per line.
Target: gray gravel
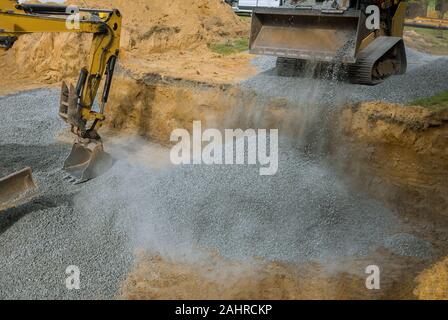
{"x":39,"y":240}
{"x":409,"y":246}
{"x":426,"y":76}
{"x":305,"y":212}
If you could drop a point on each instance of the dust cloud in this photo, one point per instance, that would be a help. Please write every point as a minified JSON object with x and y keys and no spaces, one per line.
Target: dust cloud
{"x":305,"y":212}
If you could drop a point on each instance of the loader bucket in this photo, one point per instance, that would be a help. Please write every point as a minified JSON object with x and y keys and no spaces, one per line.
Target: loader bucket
{"x":86,"y":162}
{"x":17,"y":189}
{"x":307,"y":34}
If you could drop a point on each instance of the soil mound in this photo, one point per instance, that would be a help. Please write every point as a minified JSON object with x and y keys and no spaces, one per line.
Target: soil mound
{"x":403,"y":152}
{"x":160,"y":25}
{"x":149,"y":27}
{"x":433,"y":282}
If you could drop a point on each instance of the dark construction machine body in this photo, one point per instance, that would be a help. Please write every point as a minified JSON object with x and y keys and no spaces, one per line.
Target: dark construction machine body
{"x":333,"y":32}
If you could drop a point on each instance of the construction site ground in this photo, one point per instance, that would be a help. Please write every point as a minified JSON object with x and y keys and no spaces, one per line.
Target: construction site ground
{"x":362,"y":180}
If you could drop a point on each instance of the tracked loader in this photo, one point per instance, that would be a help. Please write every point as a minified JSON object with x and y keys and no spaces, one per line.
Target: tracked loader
{"x":334,"y":32}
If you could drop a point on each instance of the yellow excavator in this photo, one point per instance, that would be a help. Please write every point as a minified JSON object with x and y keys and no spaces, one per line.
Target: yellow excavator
{"x":87,"y":158}
{"x":337,"y":32}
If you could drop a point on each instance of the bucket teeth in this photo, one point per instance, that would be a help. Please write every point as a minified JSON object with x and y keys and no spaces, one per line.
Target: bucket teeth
{"x":71,"y":179}
{"x":87,"y":160}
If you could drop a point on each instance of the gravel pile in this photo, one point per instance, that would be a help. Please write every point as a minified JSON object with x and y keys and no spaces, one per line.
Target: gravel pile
{"x":426,"y":76}
{"x":305,"y":212}
{"x":39,"y":240}
{"x":409,"y":246}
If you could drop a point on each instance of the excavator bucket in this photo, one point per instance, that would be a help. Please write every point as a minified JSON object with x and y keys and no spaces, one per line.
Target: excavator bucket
{"x":307,"y":34}
{"x":17,"y":189}
{"x":87,"y":161}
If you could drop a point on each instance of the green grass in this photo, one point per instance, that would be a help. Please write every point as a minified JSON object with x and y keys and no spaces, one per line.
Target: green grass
{"x":436,"y":103}
{"x":231,"y":46}
{"x":245,"y":18}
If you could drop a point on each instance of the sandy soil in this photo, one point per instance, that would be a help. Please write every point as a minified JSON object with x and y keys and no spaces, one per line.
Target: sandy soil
{"x":198,"y":65}
{"x":155,"y":277}
{"x":154,"y":40}
{"x":433,"y":282}
{"x":12,"y":82}
{"x":403,"y":152}
{"x":403,"y":148}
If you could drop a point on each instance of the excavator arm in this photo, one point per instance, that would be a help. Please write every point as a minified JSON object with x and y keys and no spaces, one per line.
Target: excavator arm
{"x":87,"y":159}
{"x":105,"y":25}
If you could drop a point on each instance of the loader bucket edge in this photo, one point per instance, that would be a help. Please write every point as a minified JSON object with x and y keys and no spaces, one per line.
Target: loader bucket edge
{"x":17,"y":189}
{"x":307,"y":34}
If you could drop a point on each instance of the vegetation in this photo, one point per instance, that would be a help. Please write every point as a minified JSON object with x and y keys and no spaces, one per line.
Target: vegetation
{"x":441,"y":35}
{"x":245,"y":17}
{"x":436,"y":103}
{"x":231,"y":46}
